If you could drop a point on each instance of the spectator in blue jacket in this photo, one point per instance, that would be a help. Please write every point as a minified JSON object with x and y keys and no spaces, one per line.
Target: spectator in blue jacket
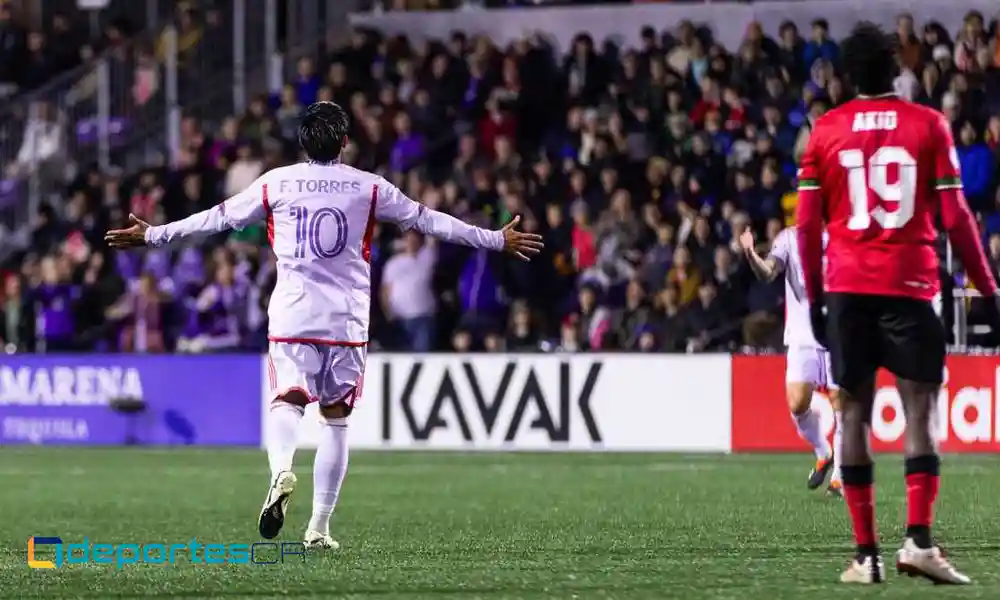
{"x":977,"y":167}
{"x":307,"y":81}
{"x":820,"y":46}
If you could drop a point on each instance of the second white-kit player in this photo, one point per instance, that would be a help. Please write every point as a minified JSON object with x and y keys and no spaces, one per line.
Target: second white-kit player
{"x":807,"y":363}
{"x":320,"y":217}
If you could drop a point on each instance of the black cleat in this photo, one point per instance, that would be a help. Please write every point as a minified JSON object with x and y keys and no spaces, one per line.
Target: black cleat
{"x":818,"y":475}
{"x":272,"y":514}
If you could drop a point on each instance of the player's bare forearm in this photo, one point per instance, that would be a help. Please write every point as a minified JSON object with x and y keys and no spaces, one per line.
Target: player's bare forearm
{"x":202,"y":224}
{"x":961,"y":228}
{"x":766,"y":269}
{"x":456,"y":231}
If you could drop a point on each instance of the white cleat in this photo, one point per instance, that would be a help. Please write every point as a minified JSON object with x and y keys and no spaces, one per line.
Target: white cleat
{"x":928,"y":563}
{"x":869,"y":570}
{"x":315,"y":540}
{"x":272,"y":515}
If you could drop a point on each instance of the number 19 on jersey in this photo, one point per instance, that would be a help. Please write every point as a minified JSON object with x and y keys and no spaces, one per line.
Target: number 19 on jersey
{"x":874,"y":176}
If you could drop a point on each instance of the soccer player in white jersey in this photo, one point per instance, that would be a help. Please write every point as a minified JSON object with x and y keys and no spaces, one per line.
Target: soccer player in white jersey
{"x":320,"y":215}
{"x":808,"y":364}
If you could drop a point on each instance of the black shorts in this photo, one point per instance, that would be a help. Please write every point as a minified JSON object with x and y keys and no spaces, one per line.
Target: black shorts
{"x":903,"y":335}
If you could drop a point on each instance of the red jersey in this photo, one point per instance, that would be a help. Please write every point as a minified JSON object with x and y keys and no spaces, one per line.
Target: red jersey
{"x":879,"y":171}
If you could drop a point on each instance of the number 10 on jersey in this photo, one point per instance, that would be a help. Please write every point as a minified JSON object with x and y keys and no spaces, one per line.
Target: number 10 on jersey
{"x":308,"y":230}
{"x":875,"y":177}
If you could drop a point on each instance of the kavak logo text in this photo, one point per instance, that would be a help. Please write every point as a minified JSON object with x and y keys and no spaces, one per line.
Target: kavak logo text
{"x":456,"y":397}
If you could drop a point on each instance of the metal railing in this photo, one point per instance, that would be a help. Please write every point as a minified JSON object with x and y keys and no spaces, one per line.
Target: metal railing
{"x":124,"y":107}
{"x":963,"y":301}
{"x":49,"y":135}
{"x":45,"y":135}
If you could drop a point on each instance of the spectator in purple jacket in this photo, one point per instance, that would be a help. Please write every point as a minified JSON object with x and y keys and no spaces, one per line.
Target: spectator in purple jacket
{"x":140,"y":313}
{"x":409,"y":147}
{"x":480,"y":293}
{"x":189,"y":270}
{"x":55,"y":299}
{"x":219,"y":313}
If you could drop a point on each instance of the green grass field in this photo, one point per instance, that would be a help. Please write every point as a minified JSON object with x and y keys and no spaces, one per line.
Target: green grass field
{"x":482,"y":526}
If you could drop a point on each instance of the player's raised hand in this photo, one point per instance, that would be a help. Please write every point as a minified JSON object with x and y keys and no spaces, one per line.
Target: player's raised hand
{"x":132,"y":237}
{"x":520,"y":244}
{"x":746,"y":240}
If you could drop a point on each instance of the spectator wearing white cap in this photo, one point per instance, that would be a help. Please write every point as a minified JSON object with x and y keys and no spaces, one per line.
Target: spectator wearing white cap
{"x":941,"y":56}
{"x":906,"y":84}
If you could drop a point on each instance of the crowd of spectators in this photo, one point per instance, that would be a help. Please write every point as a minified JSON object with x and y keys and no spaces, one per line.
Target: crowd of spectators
{"x":640,"y":166}
{"x":50,"y":132}
{"x":395,"y":5}
{"x":30,"y":57}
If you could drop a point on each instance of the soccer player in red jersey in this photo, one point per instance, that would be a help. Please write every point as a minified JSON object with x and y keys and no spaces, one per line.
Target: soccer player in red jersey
{"x":879,"y":171}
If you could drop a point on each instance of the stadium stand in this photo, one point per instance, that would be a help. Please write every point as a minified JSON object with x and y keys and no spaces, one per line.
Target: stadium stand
{"x":641,"y":166}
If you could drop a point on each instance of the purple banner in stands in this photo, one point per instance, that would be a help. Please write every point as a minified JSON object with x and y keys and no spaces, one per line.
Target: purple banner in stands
{"x":185,"y":400}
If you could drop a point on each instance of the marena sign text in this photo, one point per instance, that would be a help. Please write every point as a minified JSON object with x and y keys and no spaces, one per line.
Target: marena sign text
{"x":77,"y":385}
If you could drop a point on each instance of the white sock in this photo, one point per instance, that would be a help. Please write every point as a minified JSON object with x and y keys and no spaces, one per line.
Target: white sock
{"x":282,"y":432}
{"x":329,"y":470}
{"x":808,"y":425}
{"x":838,"y":437}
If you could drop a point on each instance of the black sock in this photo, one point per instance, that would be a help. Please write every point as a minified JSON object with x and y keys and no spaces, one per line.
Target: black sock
{"x":921,"y":535}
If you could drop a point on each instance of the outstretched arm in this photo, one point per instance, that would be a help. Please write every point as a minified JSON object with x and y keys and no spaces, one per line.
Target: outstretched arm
{"x":235,"y":213}
{"x":198,"y":225}
{"x":393,"y":205}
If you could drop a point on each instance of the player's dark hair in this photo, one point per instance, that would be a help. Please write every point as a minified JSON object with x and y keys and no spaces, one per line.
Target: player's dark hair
{"x":869,"y":59}
{"x":322,"y":131}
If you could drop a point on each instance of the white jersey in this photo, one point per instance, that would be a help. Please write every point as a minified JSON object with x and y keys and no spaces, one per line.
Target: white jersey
{"x":798,"y":326}
{"x":320,"y":219}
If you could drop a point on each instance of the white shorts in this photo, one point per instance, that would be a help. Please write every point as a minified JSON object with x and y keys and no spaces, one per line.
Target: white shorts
{"x":325,"y":374}
{"x":805,"y":364}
